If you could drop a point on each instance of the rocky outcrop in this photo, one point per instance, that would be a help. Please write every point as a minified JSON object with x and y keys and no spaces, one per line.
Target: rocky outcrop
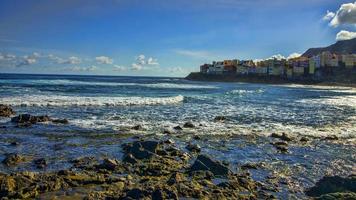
{"x":332,"y":185}
{"x":204,"y":163}
{"x":30,"y":119}
{"x":6,"y":111}
{"x":13,"y":159}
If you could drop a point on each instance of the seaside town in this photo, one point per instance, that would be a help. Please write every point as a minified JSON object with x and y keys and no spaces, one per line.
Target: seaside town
{"x":313,"y":67}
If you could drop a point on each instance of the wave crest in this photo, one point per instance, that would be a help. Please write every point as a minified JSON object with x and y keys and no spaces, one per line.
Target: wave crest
{"x":43,"y":100}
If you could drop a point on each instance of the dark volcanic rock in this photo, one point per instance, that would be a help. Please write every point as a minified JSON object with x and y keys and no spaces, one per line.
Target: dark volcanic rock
{"x":205,"y":163}
{"x":142,"y":149}
{"x":193,"y":147}
{"x":110,"y":164}
{"x":13,"y":159}
{"x":178,"y":128}
{"x":137,"y":128}
{"x":60,"y":121}
{"x":30,"y":119}
{"x":40,"y":163}
{"x":332,"y":184}
{"x":188,"y":125}
{"x":284,"y":136}
{"x":220,"y":118}
{"x":6,"y":111}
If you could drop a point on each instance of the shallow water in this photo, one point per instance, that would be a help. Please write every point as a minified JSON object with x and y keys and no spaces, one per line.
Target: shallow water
{"x":101,"y":111}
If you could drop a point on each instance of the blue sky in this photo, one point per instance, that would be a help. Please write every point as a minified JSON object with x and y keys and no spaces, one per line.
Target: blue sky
{"x":156,"y":37}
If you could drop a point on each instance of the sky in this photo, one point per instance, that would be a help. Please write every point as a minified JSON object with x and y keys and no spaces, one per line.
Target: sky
{"x":162,"y":37}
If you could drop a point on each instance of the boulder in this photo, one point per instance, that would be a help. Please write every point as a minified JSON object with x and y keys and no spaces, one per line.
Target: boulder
{"x":332,"y":184}
{"x":283,"y":137}
{"x":13,"y":159}
{"x":60,"y":121}
{"x":193,"y":148}
{"x":178,"y":128}
{"x":6,"y":111}
{"x":219,"y":118}
{"x":137,"y":128}
{"x":40,"y":163}
{"x":110,"y":164}
{"x":205,"y":163}
{"x":142,"y":149}
{"x":188,"y":125}
{"x":30,"y":119}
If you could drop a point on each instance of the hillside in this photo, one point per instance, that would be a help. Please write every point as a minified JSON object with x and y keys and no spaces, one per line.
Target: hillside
{"x":340,"y":47}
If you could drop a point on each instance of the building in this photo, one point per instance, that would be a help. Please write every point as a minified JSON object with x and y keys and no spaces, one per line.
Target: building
{"x":216,"y":68}
{"x":349,"y":60}
{"x":325,"y":58}
{"x":204,"y":68}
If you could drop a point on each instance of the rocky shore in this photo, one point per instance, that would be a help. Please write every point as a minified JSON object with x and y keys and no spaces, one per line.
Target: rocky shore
{"x":341,"y":80}
{"x":171,"y":166}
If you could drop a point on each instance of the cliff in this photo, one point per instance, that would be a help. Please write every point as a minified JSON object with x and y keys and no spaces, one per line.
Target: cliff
{"x":340,"y":47}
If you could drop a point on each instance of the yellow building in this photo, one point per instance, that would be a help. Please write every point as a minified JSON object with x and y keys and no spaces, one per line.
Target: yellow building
{"x":349,"y":60}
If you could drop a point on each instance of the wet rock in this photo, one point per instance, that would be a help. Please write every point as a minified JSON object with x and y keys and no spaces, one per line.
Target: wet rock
{"x":169,"y":131}
{"x":137,"y":128}
{"x":84,"y":162}
{"x":188,"y":125}
{"x":196,"y":137}
{"x":331,"y":137}
{"x":136,"y":193}
{"x":41,"y":163}
{"x":110,"y":164}
{"x":220,"y":118}
{"x":6,"y":111}
{"x":283,"y":137}
{"x":129,"y":158}
{"x":249,"y":166}
{"x":204,"y":163}
{"x":15,"y":143}
{"x":13,"y":159}
{"x":29,"y":119}
{"x":332,"y":184}
{"x":193,"y":148}
{"x":142,"y":149}
{"x":338,"y":195}
{"x":304,"y":139}
{"x":164,"y":194}
{"x":60,"y":121}
{"x":178,"y":128}
{"x":281,"y":146}
{"x":169,"y":141}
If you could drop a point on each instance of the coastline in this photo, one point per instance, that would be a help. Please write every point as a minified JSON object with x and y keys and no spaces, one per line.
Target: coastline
{"x":274,"y":80}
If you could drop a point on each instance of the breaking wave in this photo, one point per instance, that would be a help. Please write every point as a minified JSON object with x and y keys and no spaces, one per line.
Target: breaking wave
{"x":43,"y":100}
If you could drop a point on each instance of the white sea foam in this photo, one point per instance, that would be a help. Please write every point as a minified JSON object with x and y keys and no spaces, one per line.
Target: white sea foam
{"x":148,"y":85}
{"x":55,"y":100}
{"x":242,"y":92}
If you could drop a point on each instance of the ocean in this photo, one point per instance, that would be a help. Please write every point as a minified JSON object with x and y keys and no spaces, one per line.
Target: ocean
{"x":108,"y":103}
{"x":102,"y":110}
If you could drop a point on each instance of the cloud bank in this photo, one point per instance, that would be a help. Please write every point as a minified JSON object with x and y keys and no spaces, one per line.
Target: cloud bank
{"x":345,"y":35}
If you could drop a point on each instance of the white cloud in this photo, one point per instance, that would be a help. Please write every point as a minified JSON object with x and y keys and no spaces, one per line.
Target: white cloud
{"x":104,"y":60}
{"x":345,"y":15}
{"x":119,"y":68}
{"x":193,"y":53}
{"x":294,"y":55}
{"x":345,"y":35}
{"x":136,"y":67}
{"x":27,"y":60}
{"x":141,"y":63}
{"x":152,"y":61}
{"x":82,"y":69}
{"x":329,"y":15}
{"x":141,"y":59}
{"x":71,"y":60}
{"x":277,"y":56}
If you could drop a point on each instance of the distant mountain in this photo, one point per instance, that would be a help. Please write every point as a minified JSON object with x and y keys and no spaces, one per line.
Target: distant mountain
{"x":340,"y":47}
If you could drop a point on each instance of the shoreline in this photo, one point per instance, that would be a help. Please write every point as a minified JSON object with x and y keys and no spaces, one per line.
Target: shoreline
{"x":197,"y":76}
{"x":177,"y":164}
